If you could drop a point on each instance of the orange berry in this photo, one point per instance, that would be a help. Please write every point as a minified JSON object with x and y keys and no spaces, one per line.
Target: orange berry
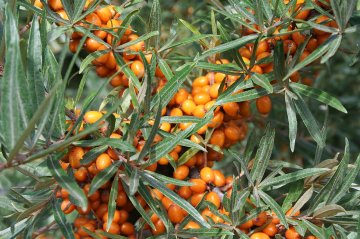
{"x":89,"y":226}
{"x":138,"y":68}
{"x":196,"y":199}
{"x":216,"y":120}
{"x":55,"y":5}
{"x":66,"y":206}
{"x":200,"y":81}
{"x":289,"y":47}
{"x":91,"y":117}
{"x":207,"y":175}
{"x":159,"y":228}
{"x":91,"y":44}
{"x":114,"y":228}
{"x":175,"y":214}
{"x":291,"y":233}
{"x":93,"y":19}
{"x":81,"y":174}
{"x":218,"y":138}
{"x":80,"y":221}
{"x":259,"y":235}
{"x":231,"y":108}
{"x":247,"y":225}
{"x":219,"y":178}
{"x":219,"y":77}
{"x":260,"y":219}
{"x":188,"y":106}
{"x":263,"y":104}
{"x":104,"y":14}
{"x":271,"y":229}
{"x":103,"y":161}
{"x":176,"y":112}
{"x":263,"y":56}
{"x":290,"y":211}
{"x":214,"y":198}
{"x":166,"y":202}
{"x":214,"y":90}
{"x":201,"y":98}
{"x":75,"y":155}
{"x":127,"y":229}
{"x":181,"y":96}
{"x":233,"y":132}
{"x":199,"y":111}
{"x":199,"y":185}
{"x":185,"y":192}
{"x":181,"y":172}
{"x":192,"y":225}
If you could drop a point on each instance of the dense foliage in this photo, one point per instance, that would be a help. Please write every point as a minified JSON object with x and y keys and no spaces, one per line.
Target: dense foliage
{"x":179,"y":119}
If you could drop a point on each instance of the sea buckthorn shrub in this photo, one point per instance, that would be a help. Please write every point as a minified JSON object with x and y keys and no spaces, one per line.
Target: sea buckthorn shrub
{"x":190,"y":140}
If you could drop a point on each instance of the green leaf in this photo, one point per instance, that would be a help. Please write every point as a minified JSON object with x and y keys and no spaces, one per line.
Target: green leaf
{"x":309,"y":120}
{"x":263,"y":155}
{"x":291,"y":114}
{"x":175,"y":198}
{"x":137,"y":40}
{"x":302,"y":200}
{"x":172,"y":86}
{"x":275,"y":207}
{"x":44,"y":107}
{"x":227,"y":46}
{"x":170,"y":180}
{"x":262,"y":81}
{"x":78,"y":9}
{"x":328,"y":211}
{"x":92,"y":56}
{"x":292,"y":177}
{"x":318,"y":95}
{"x":65,"y":227}
{"x":350,"y":178}
{"x":14,"y":230}
{"x":246,"y":95}
{"x":320,"y":51}
{"x":102,"y":177}
{"x":207,"y":233}
{"x":315,"y":230}
{"x":186,"y":41}
{"x":155,"y":22}
{"x":67,"y":182}
{"x":15,"y":91}
{"x":164,"y":67}
{"x":34,"y":64}
{"x":112,"y":201}
{"x":134,"y":181}
{"x":334,"y":46}
{"x":115,"y":143}
{"x":295,"y":190}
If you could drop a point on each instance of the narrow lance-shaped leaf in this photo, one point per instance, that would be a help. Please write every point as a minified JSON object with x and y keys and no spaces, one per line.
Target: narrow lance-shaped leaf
{"x":263,"y":155}
{"x":309,"y":120}
{"x":155,"y":21}
{"x":275,"y":207}
{"x":15,"y":119}
{"x":60,"y":219}
{"x":318,"y":95}
{"x":227,"y":46}
{"x":302,"y":200}
{"x":175,"y":198}
{"x":291,"y":115}
{"x":67,"y":182}
{"x":34,"y":64}
{"x":104,"y":176}
{"x":348,"y":181}
{"x":112,"y":201}
{"x":169,"y":90}
{"x":291,"y":177}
